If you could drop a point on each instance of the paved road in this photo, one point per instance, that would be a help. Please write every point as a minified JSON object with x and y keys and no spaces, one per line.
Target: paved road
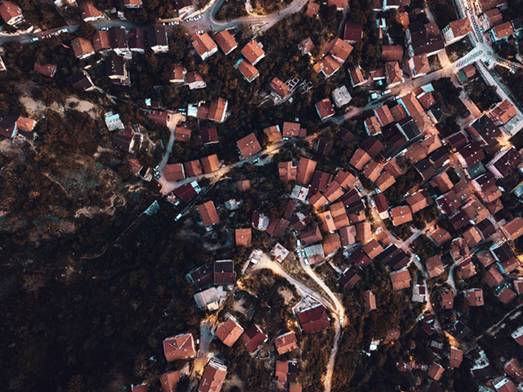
{"x":206,"y":22}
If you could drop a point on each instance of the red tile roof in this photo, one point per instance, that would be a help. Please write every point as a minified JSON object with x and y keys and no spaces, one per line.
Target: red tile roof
{"x":248,"y":145}
{"x":314,"y":319}
{"x":229,"y":331}
{"x":179,"y":347}
{"x":213,"y":377}
{"x":286,"y":343}
{"x":306,"y":168}
{"x":253,"y":52}
{"x":226,"y":41}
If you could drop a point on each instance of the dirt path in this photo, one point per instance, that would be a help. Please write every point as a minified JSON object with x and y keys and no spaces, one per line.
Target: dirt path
{"x":327,"y":299}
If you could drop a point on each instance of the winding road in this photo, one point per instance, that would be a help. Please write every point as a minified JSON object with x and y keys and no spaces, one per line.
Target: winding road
{"x":203,"y":21}
{"x":329,"y":300}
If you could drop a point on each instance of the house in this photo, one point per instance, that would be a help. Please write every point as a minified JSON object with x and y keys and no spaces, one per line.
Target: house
{"x":209,"y":135}
{"x":218,"y":110}
{"x":313,"y":318}
{"x":418,"y":201}
{"x":369,"y":300}
{"x":204,"y":45}
{"x":229,"y":331}
{"x":101,"y":41}
{"x":286,"y":343}
{"x":174,"y":172}
{"x":279,"y":252}
{"x":273,"y":133}
{"x":243,"y":237}
{"x":392,"y":53}
{"x":359,"y":159}
{"x":419,"y":293}
{"x":213,"y":377}
{"x":178,"y":73}
{"x":455,"y":357}
{"x":119,"y":42}
{"x":184,"y":7}
{"x":339,"y":49}
{"x":25,"y":125}
{"x":513,"y":229}
{"x":434,"y":266}
{"x":352,"y":32}
{"x":158,"y":39}
{"x":253,"y":338}
{"x":400,"y":279}
{"x":435,"y":371}
{"x":193,"y":168}
{"x":331,"y":244}
{"x":223,"y":273}
{"x":195,"y":81}
{"x":144,"y":387}
{"x":328,"y":66}
{"x":11,"y":13}
{"x":279,"y":88}
{"x":447,"y":299}
{"x":502,"y":113}
{"x":208,"y":213}
{"x":226,"y":41}
{"x":305,"y":170}
{"x":393,"y":73}
{"x":82,"y":48}
{"x":179,"y":347}
{"x":372,"y":126}
{"x":137,"y":40}
{"x":285,"y":371}
{"x":295,"y":387}
{"x":356,"y":76}
{"x":505,"y":294}
{"x":383,"y":115}
{"x":47,"y":70}
{"x":293,"y":129}
{"x":474,"y":296}
{"x":501,"y":32}
{"x":504,"y":162}
{"x":419,"y":65}
{"x":504,"y":384}
{"x":89,"y":12}
{"x":82,"y":81}
{"x":513,"y":368}
{"x":116,"y":69}
{"x":339,"y":4}
{"x":517,"y":335}
{"x":341,"y":96}
{"x":248,"y":146}
{"x":307,"y":45}
{"x":132,"y":4}
{"x":253,"y":52}
{"x":169,"y":381}
{"x":425,"y":39}
{"x":324,"y":109}
{"x":248,"y":71}
{"x":312,"y":9}
{"x":287,"y":171}
{"x":456,"y":30}
{"x":400,"y":215}
{"x":210,"y":163}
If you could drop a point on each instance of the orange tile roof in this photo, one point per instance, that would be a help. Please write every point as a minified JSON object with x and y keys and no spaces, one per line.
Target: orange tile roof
{"x":226,"y":41}
{"x":208,"y":213}
{"x":253,"y":52}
